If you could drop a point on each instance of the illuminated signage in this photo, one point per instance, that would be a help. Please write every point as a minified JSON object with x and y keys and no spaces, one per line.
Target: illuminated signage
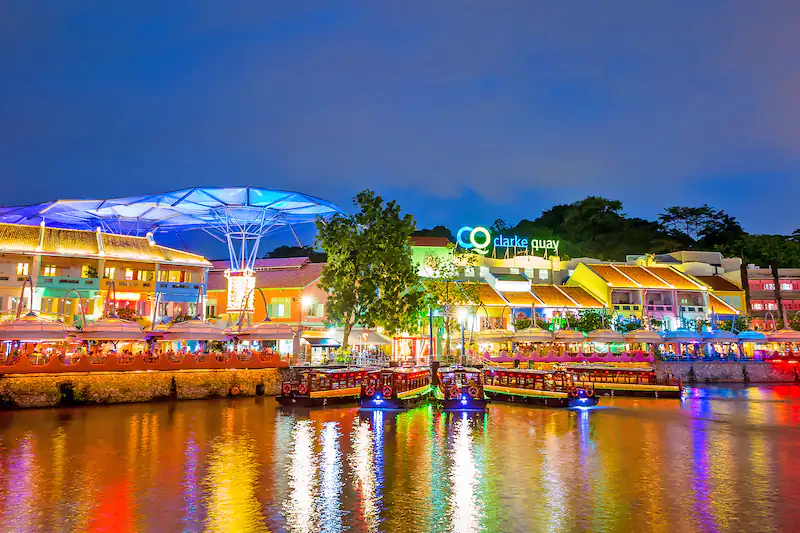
{"x":478,"y":240}
{"x":240,"y":285}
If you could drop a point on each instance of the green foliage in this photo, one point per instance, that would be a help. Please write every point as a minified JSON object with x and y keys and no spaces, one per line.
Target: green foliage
{"x":794,"y":322}
{"x":126,"y":313}
{"x":589,"y":320}
{"x":285,"y":251}
{"x":370,"y":276}
{"x":442,"y":291}
{"x":726,"y":325}
{"x":763,"y":250}
{"x":436,"y":231}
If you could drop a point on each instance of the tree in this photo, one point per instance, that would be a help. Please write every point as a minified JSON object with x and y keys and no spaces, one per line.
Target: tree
{"x":436,"y":231}
{"x":442,"y":290}
{"x":369,"y":275}
{"x":285,"y":251}
{"x":702,"y":227}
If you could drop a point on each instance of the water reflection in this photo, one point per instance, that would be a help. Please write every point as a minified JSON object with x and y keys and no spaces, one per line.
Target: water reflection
{"x":722,"y":460}
{"x":465,"y":478}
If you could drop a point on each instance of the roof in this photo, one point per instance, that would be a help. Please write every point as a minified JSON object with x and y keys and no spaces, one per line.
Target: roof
{"x":580,"y":295}
{"x":56,"y":241}
{"x":718,"y":283}
{"x":417,"y":240}
{"x":509,"y":277}
{"x":551,"y":296}
{"x":289,"y":277}
{"x":639,"y":277}
{"x":486,"y":293}
{"x":195,"y":208}
{"x":720,"y":307}
{"x":525,"y":298}
{"x":282,"y":262}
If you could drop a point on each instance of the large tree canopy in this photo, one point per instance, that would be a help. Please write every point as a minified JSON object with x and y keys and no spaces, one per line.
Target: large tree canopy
{"x":369,"y":275}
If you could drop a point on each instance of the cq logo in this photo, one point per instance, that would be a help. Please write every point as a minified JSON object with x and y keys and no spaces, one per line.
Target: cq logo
{"x":478,"y":239}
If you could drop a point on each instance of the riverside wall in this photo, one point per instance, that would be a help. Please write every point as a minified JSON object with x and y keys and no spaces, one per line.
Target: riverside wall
{"x":52,"y":390}
{"x":729,"y":372}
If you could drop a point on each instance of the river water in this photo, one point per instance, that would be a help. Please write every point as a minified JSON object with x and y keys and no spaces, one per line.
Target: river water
{"x":723,"y":459}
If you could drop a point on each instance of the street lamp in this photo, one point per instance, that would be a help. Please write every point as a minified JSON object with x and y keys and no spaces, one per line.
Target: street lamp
{"x":462,"y":318}
{"x":306,"y":301}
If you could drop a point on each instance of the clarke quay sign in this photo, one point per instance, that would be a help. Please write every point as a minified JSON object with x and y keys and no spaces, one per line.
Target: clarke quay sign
{"x":479,"y":240}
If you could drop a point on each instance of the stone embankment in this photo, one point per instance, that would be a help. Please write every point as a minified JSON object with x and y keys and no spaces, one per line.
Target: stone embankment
{"x":729,"y":372}
{"x":51,"y":390}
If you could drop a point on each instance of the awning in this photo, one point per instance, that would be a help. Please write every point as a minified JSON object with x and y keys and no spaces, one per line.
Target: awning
{"x":360,"y":336}
{"x":323,"y":343}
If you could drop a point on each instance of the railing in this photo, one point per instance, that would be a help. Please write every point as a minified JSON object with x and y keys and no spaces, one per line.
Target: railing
{"x":129,"y":284}
{"x":67,"y":282}
{"x":42,"y":364}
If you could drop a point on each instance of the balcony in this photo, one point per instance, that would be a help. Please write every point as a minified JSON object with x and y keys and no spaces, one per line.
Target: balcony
{"x":693,"y":309}
{"x":663,"y":308}
{"x":175,"y":291}
{"x":627,"y":307}
{"x":66,"y":283}
{"x":130,"y":285}
{"x":8,"y":280}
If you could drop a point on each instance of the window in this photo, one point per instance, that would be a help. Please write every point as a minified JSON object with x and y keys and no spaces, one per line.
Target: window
{"x":513,"y":271}
{"x":130,"y":274}
{"x":109,"y":272}
{"x":315,"y":310}
{"x":280,"y":307}
{"x":769,"y":286}
{"x":771,"y":306}
{"x":543,"y":275}
{"x":758,"y":306}
{"x":786,"y":286}
{"x":734,"y":301}
{"x":23,"y":269}
{"x":50,"y":270}
{"x":88,"y":271}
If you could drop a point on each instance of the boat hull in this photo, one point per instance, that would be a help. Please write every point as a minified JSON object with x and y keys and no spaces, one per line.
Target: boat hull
{"x":471,"y":404}
{"x":544,"y":400}
{"x":642,"y":391}
{"x":393,"y":403}
{"x":305,"y":401}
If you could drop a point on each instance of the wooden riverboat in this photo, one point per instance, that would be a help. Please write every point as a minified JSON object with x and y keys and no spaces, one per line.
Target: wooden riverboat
{"x":323,"y":387}
{"x":396,"y":388}
{"x":555,"y":388}
{"x":460,"y":388}
{"x":619,"y":381}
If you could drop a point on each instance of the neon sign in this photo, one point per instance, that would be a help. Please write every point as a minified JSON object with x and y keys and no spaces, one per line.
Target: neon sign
{"x":478,"y":240}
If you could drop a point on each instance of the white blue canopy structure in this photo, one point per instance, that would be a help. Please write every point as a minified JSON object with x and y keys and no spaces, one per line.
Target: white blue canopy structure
{"x":238,"y":216}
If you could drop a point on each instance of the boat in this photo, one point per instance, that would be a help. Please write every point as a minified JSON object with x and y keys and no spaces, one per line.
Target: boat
{"x":315,"y":387}
{"x":539,"y":387}
{"x":460,"y":388}
{"x":395,"y":388}
{"x":629,"y":381}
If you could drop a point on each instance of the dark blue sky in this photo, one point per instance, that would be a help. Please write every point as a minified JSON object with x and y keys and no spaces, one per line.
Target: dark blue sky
{"x":464,"y":111}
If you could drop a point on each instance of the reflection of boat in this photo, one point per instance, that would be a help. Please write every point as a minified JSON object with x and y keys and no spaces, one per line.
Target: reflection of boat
{"x":540,"y":387}
{"x":460,"y":389}
{"x":625,"y":381}
{"x":320,"y":387}
{"x":395,"y":388}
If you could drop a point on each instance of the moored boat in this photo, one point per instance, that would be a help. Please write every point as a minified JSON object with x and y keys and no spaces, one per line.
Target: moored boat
{"x":618,"y":381}
{"x":460,"y":388}
{"x":321,"y":387}
{"x":395,"y":388}
{"x":539,"y":387}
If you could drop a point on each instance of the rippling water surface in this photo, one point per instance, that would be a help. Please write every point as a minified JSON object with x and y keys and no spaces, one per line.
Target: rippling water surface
{"x":720,"y":460}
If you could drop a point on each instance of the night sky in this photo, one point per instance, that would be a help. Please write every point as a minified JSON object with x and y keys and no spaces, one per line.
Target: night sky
{"x":464,"y":111}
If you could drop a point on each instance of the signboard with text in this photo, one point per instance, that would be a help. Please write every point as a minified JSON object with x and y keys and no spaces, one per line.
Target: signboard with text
{"x":479,"y":240}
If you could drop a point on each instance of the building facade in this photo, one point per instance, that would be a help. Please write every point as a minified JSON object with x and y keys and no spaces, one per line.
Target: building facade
{"x":73,"y":270}
{"x":773,"y":294}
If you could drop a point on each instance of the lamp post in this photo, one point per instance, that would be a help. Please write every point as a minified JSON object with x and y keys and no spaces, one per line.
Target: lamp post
{"x":305,"y":303}
{"x":462,"y":318}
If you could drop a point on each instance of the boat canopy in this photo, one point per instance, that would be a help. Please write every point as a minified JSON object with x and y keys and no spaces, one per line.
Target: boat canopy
{"x":604,"y":336}
{"x":643,"y":335}
{"x":32,"y":327}
{"x":568,"y":335}
{"x":112,"y":328}
{"x":784,"y":335}
{"x":533,"y":334}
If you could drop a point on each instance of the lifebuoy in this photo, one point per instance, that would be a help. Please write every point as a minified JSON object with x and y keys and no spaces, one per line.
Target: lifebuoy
{"x":287,"y":389}
{"x":590,"y":392}
{"x":302,"y":388}
{"x":387,"y":391}
{"x":453,"y":391}
{"x":573,"y":391}
{"x":473,"y":391}
{"x":369,"y":391}
{"x":234,"y":390}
